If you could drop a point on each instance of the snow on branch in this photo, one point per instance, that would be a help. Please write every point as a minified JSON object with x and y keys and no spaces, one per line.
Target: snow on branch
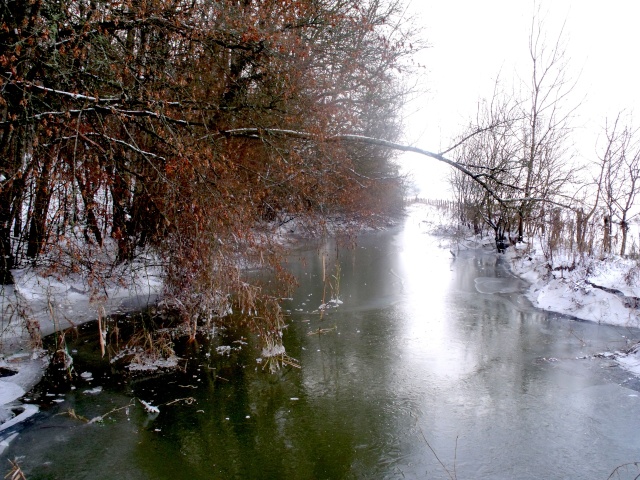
{"x":75,"y":96}
{"x":127,"y":145}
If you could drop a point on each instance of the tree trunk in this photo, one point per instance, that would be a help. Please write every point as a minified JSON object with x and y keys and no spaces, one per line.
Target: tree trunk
{"x":580,"y":230}
{"x":624,"y":227}
{"x":520,"y":227}
{"x":121,"y":204}
{"x":87,"y":192}
{"x":6,"y":255}
{"x":38,"y":224}
{"x":607,"y":234}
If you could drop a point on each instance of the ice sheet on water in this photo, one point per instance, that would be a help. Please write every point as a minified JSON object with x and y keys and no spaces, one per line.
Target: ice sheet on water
{"x":493,"y":285}
{"x":9,"y":392}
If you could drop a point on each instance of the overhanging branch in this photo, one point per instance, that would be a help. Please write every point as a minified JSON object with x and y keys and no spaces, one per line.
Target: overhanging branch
{"x":274,"y":132}
{"x":258,"y":133}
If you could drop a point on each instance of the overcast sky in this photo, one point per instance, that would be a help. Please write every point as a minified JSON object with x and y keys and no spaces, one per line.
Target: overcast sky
{"x":472,"y":42}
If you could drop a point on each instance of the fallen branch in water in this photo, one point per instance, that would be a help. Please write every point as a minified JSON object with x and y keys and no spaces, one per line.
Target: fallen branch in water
{"x":16,"y":472}
{"x":452,"y":476}
{"x":72,"y":413}
{"x":617,"y":470}
{"x":320,"y":331}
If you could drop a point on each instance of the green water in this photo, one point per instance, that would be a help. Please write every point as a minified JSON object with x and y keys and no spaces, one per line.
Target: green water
{"x":414,"y":363}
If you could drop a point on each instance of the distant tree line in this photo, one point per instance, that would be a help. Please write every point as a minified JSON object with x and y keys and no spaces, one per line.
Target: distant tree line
{"x":523,"y":179}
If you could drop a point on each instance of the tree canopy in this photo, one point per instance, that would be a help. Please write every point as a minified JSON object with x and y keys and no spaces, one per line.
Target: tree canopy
{"x":117,"y":121}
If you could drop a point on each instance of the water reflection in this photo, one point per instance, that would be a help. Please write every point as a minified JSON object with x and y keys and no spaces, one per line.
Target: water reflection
{"x":424,"y":348}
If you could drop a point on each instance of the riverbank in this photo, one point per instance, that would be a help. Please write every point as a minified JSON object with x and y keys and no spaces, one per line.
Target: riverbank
{"x":39,"y":304}
{"x":605,"y":291}
{"x":36,"y":306}
{"x":600,"y":290}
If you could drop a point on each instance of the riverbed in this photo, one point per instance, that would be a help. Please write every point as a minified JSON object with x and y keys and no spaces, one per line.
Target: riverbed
{"x":427,"y":364}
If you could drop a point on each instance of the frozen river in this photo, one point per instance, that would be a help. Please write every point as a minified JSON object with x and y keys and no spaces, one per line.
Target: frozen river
{"x":432,"y":367}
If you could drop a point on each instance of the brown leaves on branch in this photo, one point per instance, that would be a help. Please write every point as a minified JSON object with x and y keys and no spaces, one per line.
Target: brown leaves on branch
{"x":120,"y":130}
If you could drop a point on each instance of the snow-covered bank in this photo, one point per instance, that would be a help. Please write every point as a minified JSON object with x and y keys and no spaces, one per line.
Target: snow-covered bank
{"x":605,"y":291}
{"x":48,"y":303}
{"x":598,"y":290}
{"x":39,"y":305}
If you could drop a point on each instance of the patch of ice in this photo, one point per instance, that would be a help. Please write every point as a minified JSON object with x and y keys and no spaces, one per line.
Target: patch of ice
{"x":149,"y":408}
{"x":223,"y":350}
{"x":273,"y":351}
{"x":9,"y":392}
{"x":151,"y":364}
{"x":630,"y":360}
{"x":630,"y":363}
{"x":333,"y":303}
{"x":4,"y":442}
{"x":27,"y":411}
{"x":492,"y":285}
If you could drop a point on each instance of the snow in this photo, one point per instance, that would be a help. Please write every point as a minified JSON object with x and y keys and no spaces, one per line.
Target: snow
{"x":93,"y":391}
{"x":10,"y":391}
{"x":29,"y":368}
{"x":151,"y":363}
{"x":49,"y":304}
{"x":273,"y":351}
{"x":578,"y":289}
{"x":149,"y":408}
{"x":630,"y":361}
{"x":57,"y":304}
{"x":603,"y":291}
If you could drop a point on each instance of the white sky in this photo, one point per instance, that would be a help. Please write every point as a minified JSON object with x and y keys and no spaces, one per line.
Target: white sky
{"x":472,"y":42}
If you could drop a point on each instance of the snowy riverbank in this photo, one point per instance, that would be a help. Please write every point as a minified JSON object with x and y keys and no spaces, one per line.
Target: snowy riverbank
{"x":602,"y":291}
{"x":36,"y":306}
{"x":605,"y":291}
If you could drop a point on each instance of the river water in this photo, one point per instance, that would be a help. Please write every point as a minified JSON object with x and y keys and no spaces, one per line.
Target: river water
{"x":432,"y":367}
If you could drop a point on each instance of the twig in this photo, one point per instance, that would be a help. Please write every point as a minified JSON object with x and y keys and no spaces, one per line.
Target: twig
{"x":187,"y":400}
{"x":320,"y":331}
{"x":625,"y":465}
{"x":16,"y":472}
{"x":444,"y":467}
{"x":102,"y":417}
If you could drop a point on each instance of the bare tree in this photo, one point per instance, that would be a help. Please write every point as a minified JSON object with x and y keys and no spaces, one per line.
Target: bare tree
{"x":489,"y":149}
{"x":546,"y":126}
{"x":518,"y":143}
{"x":619,"y":179}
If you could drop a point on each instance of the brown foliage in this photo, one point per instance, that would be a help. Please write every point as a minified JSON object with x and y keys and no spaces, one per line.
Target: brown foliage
{"x":112,"y":132}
